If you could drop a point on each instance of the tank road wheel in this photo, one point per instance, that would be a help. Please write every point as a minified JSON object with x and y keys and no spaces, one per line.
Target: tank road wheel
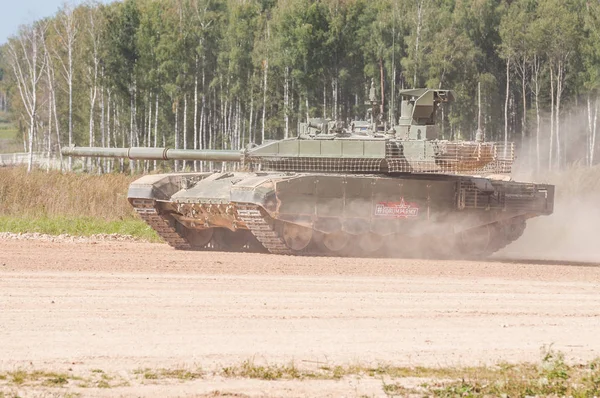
{"x":335,"y":241}
{"x":228,"y":240}
{"x":475,"y":242}
{"x":515,"y":229}
{"x":197,"y":238}
{"x":370,"y":242}
{"x":296,"y":237}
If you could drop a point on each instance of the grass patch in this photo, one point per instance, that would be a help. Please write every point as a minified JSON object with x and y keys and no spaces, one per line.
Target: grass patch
{"x":178,"y":373}
{"x":18,"y":377}
{"x":22,"y":377}
{"x":181,"y":374}
{"x":77,"y":226}
{"x":103,"y":384}
{"x":249,"y":369}
{"x":57,"y":381}
{"x":552,"y":376}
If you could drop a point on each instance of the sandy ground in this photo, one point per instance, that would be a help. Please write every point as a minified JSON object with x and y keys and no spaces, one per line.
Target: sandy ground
{"x":124,"y":306}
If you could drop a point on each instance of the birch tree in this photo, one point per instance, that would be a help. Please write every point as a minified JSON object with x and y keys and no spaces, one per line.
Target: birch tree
{"x":29,"y":62}
{"x":558,"y":22}
{"x":591,"y":61}
{"x":66,"y":28}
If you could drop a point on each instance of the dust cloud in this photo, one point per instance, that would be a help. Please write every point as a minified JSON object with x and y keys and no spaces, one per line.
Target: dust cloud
{"x":572,"y":232}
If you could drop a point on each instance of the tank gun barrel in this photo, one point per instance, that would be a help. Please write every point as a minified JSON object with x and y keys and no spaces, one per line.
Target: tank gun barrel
{"x":141,"y":153}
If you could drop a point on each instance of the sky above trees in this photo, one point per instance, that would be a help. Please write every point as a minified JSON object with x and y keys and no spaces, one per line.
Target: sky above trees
{"x":22,"y":12}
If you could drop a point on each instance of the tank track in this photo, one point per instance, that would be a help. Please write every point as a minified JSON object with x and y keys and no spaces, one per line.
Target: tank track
{"x":505,"y":234}
{"x":261,"y":226}
{"x":163,"y":224}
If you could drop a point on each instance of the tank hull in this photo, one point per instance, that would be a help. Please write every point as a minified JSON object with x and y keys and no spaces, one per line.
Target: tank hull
{"x":339,"y":214}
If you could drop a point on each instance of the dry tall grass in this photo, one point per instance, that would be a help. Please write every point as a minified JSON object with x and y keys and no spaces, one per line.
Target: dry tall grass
{"x":56,"y":194}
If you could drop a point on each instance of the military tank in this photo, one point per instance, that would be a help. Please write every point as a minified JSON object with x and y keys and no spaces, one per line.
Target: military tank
{"x":343,"y":189}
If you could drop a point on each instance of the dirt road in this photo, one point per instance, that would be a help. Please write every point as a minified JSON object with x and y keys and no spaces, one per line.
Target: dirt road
{"x":118,"y":307}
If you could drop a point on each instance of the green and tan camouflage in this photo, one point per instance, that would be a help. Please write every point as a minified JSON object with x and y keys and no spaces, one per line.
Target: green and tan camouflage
{"x":359,"y":188}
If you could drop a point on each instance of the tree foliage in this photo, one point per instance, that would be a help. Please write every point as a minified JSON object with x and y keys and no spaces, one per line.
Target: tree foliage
{"x":223,"y":73}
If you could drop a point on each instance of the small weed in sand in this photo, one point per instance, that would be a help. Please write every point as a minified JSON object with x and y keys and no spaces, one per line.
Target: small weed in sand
{"x":106,"y":381}
{"x":178,"y":373}
{"x":57,"y":381}
{"x":18,"y":377}
{"x":248,"y":369}
{"x":181,"y":374}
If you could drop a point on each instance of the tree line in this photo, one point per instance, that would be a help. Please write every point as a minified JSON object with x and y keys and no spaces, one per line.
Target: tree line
{"x":226,"y":73}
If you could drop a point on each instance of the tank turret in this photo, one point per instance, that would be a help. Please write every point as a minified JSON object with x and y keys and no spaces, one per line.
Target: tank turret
{"x":410,"y":146}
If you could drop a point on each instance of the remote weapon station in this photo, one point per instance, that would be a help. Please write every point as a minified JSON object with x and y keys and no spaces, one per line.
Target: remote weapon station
{"x":360,"y":188}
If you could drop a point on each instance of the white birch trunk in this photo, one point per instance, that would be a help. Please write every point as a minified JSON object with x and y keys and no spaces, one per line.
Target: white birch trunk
{"x":594,"y":131}
{"x":536,"y":69}
{"x":551,"y":146}
{"x":250,"y":129}
{"x":265,"y":73}
{"x":67,"y":38}
{"x":108,"y":129}
{"x":506,"y":106}
{"x":49,"y":137}
{"x":196,"y":111}
{"x":334,"y":92}
{"x":203,"y":113}
{"x":176,"y":164}
{"x":29,"y":74}
{"x":286,"y":103}
{"x":155,"y":128}
{"x":185,"y":110}
{"x":264,"y":110}
{"x":524,"y":99}
{"x":559,"y":90}
{"x":52,"y":99}
{"x":102,"y":123}
{"x":149,"y":132}
{"x":307,"y":106}
{"x":324,"y":100}
{"x":417,"y":39}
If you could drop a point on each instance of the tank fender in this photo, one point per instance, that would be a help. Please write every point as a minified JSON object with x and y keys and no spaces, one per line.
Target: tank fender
{"x":259,"y":189}
{"x":160,"y":186}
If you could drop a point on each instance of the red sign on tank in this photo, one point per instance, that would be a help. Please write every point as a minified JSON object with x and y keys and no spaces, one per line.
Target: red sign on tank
{"x":400,"y":209}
